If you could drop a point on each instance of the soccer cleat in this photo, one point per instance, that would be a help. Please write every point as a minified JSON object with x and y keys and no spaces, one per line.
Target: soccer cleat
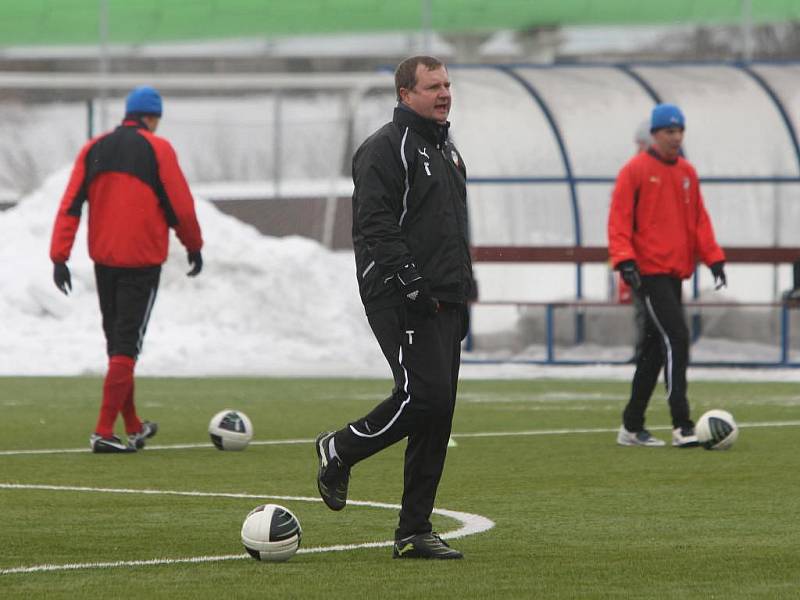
{"x":424,"y":545}
{"x":333,"y":476}
{"x":637,"y":438}
{"x":108,"y":445}
{"x":148,"y":430}
{"x":684,"y":437}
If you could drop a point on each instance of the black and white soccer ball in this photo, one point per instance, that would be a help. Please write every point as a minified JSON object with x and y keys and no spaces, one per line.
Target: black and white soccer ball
{"x":716,"y":430}
{"x":271,"y":532}
{"x":230,"y":430}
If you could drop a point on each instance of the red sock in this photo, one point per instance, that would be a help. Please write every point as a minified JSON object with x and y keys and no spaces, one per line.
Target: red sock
{"x":117,"y":386}
{"x":132,"y":422}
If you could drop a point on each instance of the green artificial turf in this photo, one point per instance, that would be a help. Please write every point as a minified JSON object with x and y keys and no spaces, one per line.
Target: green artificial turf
{"x":575,"y":515}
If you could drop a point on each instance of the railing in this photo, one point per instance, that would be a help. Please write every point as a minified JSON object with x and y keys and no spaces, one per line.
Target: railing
{"x":588,"y":254}
{"x":551,"y":357}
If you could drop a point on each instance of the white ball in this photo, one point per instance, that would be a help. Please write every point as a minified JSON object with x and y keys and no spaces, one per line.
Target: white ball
{"x":271,"y":532}
{"x":230,"y":430}
{"x":716,"y":430}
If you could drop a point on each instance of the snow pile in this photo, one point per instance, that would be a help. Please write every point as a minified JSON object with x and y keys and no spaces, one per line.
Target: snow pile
{"x":262,"y":305}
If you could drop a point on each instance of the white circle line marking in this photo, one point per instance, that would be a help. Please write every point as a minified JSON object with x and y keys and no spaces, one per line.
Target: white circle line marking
{"x":483,"y":434}
{"x":470,"y":525}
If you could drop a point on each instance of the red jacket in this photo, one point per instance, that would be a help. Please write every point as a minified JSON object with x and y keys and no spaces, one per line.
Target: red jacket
{"x":136,"y":191}
{"x":658,"y":219}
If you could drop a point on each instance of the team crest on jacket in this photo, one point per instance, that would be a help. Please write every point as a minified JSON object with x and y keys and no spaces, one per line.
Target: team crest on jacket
{"x":686,"y":185}
{"x":454,"y":154}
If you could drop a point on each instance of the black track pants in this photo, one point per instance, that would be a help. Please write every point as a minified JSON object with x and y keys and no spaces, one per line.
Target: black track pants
{"x":424,"y":355}
{"x":126,"y":299}
{"x":663,"y":343}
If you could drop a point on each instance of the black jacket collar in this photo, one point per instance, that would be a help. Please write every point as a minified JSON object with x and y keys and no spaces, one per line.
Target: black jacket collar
{"x":432,"y":131}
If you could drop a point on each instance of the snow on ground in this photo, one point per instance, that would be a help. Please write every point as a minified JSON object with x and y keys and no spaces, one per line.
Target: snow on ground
{"x":261,"y":306}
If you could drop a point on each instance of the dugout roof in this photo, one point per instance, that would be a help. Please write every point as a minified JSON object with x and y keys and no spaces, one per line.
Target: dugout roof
{"x":544,"y":144}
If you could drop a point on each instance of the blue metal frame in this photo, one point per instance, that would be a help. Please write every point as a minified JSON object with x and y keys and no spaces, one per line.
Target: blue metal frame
{"x":713,"y":180}
{"x":645,"y":85}
{"x":570,"y":177}
{"x":785,"y":334}
{"x":550,"y":354}
{"x":778,"y":105}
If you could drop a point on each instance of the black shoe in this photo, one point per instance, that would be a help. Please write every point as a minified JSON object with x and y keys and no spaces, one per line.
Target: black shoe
{"x":108,"y":445}
{"x":148,"y":430}
{"x":424,"y":545}
{"x":333,"y":476}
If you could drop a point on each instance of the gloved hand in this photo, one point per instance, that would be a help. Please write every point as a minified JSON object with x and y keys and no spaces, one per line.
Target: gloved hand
{"x":415,"y":291}
{"x":718,"y":271}
{"x":196,"y":260}
{"x":62,"y":277}
{"x":630,"y":274}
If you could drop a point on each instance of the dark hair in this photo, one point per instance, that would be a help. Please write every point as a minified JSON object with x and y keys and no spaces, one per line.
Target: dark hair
{"x":405,"y":76}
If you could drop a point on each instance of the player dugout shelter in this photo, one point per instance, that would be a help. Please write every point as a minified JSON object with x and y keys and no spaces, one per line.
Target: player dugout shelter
{"x":543,"y":146}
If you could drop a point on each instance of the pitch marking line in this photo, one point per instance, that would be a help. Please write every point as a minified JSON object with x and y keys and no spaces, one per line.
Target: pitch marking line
{"x":470,"y":525}
{"x":484,"y":434}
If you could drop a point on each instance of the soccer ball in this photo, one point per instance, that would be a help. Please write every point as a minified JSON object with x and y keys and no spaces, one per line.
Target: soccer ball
{"x":716,"y":430}
{"x":230,"y":430}
{"x":271,"y":532}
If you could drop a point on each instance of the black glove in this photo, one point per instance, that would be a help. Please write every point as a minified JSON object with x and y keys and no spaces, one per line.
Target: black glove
{"x":416,"y":292}
{"x":630,"y":274}
{"x":196,"y":260}
{"x":62,"y":277}
{"x":718,"y":271}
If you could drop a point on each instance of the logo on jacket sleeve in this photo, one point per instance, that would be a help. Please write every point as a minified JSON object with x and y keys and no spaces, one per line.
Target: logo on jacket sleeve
{"x":454,"y":154}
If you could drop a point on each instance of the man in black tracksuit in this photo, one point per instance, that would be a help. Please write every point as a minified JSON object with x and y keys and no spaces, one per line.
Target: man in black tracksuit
{"x":415,"y":274}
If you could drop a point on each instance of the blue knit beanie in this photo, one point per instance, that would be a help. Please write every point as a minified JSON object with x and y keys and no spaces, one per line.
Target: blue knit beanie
{"x":145,"y":100}
{"x":666,"y":115}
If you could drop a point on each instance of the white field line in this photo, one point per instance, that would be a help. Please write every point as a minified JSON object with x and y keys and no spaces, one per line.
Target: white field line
{"x":485,"y":434}
{"x":470,"y":525}
{"x":607,"y":430}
